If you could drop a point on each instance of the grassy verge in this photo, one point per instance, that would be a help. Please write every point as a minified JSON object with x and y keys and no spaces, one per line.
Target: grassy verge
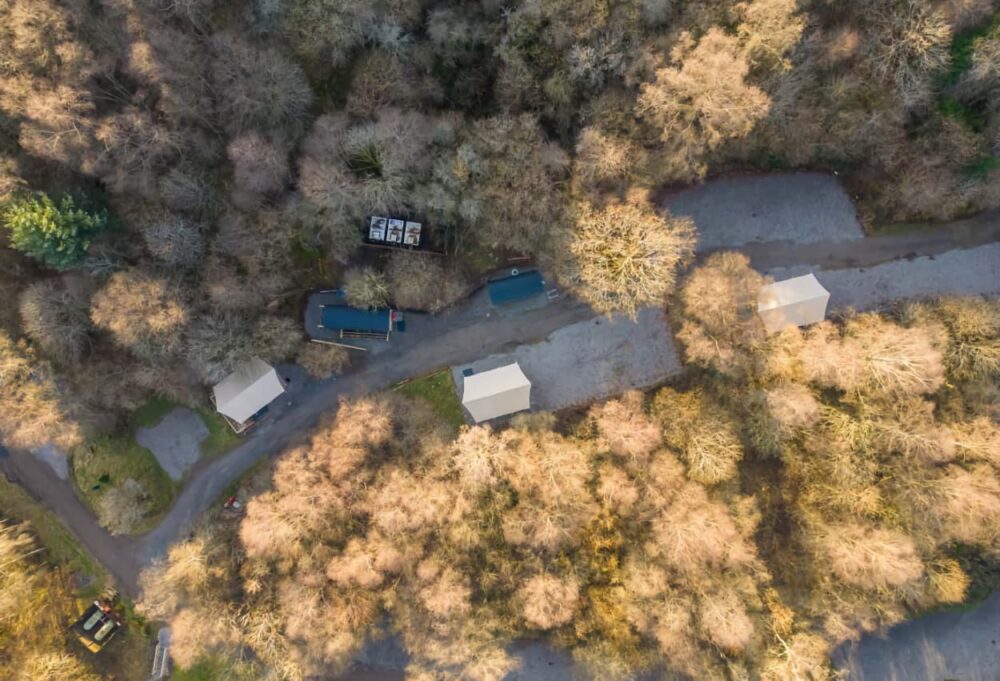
{"x":221,"y":437}
{"x":61,"y":547}
{"x":438,"y":390}
{"x":127,"y":656}
{"x":151,"y":413}
{"x":107,"y":461}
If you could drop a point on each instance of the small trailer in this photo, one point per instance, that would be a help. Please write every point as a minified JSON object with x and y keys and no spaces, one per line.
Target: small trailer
{"x":96,"y":626}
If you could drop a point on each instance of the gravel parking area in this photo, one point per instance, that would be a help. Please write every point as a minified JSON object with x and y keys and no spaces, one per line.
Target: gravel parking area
{"x":175,"y":441}
{"x":591,"y":360}
{"x":795,"y":207}
{"x":960,"y":272}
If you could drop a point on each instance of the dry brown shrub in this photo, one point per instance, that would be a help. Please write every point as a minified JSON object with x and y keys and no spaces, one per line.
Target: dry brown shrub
{"x":354,"y":566}
{"x":303,"y":506}
{"x":444,"y":592}
{"x":703,"y":101}
{"x":966,"y":503}
{"x":793,"y":405}
{"x":54,"y":315}
{"x":606,"y":162}
{"x":721,"y":328}
{"x":874,"y":356}
{"x":770,"y":29}
{"x":366,"y":288}
{"x":616,"y":490}
{"x":401,"y":502}
{"x":625,"y":428}
{"x":802,"y":657}
{"x":423,"y":282}
{"x":973,"y":325}
{"x":672,"y":627}
{"x":666,"y":476}
{"x":695,"y":533}
{"x":34,"y":410}
{"x":53,"y":666}
{"x":723,"y":619}
{"x":978,"y":440}
{"x":705,"y":435}
{"x":946,"y":581}
{"x":870,"y":557}
{"x":260,"y":167}
{"x":549,"y":601}
{"x":322,"y":361}
{"x":906,"y":43}
{"x":361,"y":423}
{"x":480,"y":456}
{"x":143,"y":313}
{"x":625,"y":255}
{"x":200,"y":632}
{"x":910,"y":429}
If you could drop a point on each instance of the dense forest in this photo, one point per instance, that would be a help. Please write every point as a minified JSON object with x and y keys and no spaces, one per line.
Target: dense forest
{"x":789,"y":493}
{"x":175,"y":174}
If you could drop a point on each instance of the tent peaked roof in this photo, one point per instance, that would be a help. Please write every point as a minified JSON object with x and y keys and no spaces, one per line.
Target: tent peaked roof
{"x":496,"y":393}
{"x":247,"y":390}
{"x":793,"y":302}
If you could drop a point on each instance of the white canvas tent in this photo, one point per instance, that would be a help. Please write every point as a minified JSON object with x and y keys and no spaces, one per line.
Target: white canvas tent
{"x":246,"y":391}
{"x":496,"y":393}
{"x":793,"y":302}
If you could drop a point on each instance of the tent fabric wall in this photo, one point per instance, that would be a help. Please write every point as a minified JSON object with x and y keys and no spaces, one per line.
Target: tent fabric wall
{"x":496,"y":393}
{"x":247,"y":390}
{"x":794,"y":302}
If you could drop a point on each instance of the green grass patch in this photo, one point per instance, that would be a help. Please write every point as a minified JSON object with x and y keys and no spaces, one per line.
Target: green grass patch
{"x":962,"y":48}
{"x":203,"y":671}
{"x":979,"y":169}
{"x":221,"y":437}
{"x":16,"y":505}
{"x":151,"y":413}
{"x":438,"y":390}
{"x":107,"y":461}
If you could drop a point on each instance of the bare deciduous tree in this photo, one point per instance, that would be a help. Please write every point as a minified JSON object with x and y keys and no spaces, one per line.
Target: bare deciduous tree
{"x":625,"y":256}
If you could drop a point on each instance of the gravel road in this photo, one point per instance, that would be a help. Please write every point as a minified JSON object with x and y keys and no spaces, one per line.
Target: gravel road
{"x":960,"y":646}
{"x":591,"y":360}
{"x":797,"y":208}
{"x":973,"y":270}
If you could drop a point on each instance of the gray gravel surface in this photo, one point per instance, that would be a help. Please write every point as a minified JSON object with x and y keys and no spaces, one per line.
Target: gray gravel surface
{"x":956,"y":272}
{"x":175,"y":441}
{"x":590,"y":360}
{"x":960,"y":646}
{"x":795,"y":207}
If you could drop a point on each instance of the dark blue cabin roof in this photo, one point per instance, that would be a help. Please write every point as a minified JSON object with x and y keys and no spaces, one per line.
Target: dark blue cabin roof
{"x":352,"y":319}
{"x":521,"y":285}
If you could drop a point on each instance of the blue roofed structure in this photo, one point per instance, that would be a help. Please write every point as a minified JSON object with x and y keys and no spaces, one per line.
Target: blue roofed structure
{"x":351,"y":321}
{"x":516,"y":287}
